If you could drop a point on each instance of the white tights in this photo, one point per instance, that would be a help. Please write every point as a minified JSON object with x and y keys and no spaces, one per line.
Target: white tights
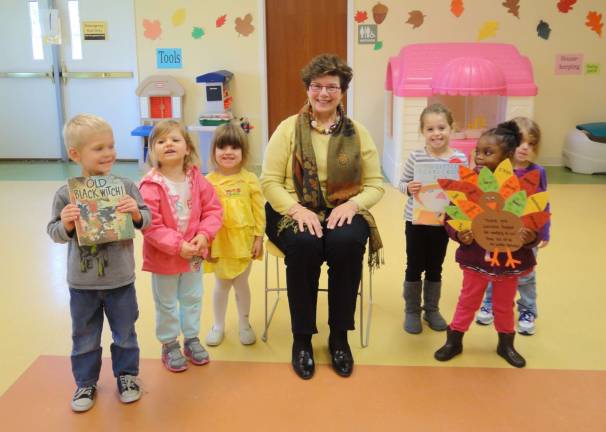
{"x":221,"y":294}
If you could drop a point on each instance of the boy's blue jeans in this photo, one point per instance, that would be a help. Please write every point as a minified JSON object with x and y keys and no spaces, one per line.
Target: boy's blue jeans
{"x":87,"y":308}
{"x":527,"y":287}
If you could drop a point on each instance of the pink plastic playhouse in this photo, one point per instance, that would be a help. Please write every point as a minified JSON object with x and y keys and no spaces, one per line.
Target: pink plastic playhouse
{"x":482,"y":84}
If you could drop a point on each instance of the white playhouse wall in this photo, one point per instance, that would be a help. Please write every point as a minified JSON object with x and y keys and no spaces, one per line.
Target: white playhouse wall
{"x":519,"y":106}
{"x":405,"y":135}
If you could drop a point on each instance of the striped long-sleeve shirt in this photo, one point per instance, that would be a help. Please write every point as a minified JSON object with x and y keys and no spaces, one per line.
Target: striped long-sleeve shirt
{"x":421,"y":156}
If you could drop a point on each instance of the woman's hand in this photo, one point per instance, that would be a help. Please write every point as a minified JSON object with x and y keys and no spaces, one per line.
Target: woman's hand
{"x":306,"y":218}
{"x":528,"y":235}
{"x":257,"y":247}
{"x":187,"y":250}
{"x":465,"y":237}
{"x":128,"y":204}
{"x":414,"y":187}
{"x":342,"y":213}
{"x":69,"y":216}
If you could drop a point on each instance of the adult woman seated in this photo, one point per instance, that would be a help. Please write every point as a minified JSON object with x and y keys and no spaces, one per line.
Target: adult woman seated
{"x":320,"y":176}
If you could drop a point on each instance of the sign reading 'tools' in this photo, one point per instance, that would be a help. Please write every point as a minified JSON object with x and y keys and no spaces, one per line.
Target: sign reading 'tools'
{"x":169,"y":58}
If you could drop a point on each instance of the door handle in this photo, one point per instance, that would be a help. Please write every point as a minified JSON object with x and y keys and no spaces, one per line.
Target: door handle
{"x":65,"y":75}
{"x":49,"y":74}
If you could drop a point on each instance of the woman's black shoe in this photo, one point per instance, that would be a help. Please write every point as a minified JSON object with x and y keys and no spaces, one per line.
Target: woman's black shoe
{"x":303,"y":362}
{"x":342,"y":360}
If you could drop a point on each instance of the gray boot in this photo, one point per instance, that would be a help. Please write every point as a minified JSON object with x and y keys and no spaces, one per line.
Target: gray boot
{"x":431,"y":300}
{"x":412,"y":310}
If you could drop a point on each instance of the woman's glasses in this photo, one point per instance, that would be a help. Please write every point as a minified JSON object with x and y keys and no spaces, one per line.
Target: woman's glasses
{"x":317,"y":88}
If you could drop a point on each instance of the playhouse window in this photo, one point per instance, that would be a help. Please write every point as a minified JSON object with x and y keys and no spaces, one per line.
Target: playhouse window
{"x":473,"y":113}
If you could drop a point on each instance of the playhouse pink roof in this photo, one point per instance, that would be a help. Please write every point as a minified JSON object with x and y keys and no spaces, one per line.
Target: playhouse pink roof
{"x":465,"y":69}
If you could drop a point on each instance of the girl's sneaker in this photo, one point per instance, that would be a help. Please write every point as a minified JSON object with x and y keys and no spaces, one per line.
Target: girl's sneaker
{"x":195,"y":352}
{"x":485,"y":316}
{"x":128,"y":388}
{"x":172,"y":358}
{"x":247,"y":336}
{"x":214,"y":336}
{"x":84,"y":398}
{"x":526,"y":324}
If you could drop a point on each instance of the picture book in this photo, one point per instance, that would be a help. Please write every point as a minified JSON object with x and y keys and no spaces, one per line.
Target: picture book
{"x":97,"y":198}
{"x":429,"y":204}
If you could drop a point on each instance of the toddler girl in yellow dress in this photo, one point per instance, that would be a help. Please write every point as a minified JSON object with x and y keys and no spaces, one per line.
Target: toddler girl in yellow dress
{"x":240,"y":240}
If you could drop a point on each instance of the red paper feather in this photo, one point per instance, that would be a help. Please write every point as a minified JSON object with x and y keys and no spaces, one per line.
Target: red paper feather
{"x":535,"y":221}
{"x":530,"y":182}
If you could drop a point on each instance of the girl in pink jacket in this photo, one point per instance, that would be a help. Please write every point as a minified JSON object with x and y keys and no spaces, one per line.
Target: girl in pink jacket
{"x":186,"y":215}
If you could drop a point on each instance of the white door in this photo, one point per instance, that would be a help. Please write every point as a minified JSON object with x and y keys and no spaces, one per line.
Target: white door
{"x":28,"y":110}
{"x":98,"y":76}
{"x":113,"y":99}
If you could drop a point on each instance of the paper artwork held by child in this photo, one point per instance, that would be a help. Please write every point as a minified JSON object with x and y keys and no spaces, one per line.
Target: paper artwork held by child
{"x":429,"y":204}
{"x":495,"y":207}
{"x":97,"y":198}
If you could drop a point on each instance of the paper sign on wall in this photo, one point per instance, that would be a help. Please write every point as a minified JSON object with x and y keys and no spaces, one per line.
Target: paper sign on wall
{"x":569,"y":64}
{"x":169,"y":58}
{"x":367,"y":34}
{"x":94,"y":30}
{"x":592,"y":68}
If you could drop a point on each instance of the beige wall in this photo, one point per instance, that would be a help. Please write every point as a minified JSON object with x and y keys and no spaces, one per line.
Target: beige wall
{"x":219,"y":48}
{"x":563,"y":101}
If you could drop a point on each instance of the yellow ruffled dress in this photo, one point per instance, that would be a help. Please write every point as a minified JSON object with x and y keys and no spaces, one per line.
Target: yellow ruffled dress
{"x":243,"y":220}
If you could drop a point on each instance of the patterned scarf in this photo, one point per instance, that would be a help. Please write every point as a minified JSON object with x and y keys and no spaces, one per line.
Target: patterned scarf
{"x":344,"y":175}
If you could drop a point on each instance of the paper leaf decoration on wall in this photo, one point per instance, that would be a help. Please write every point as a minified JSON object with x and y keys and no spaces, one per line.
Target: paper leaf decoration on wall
{"x":513,"y":7}
{"x":415,"y":18}
{"x":543,"y":30}
{"x":489,"y":29}
{"x":244,"y":26}
{"x":197,"y":32}
{"x":594,"y":22}
{"x":378,"y":45}
{"x":178,"y":17}
{"x":565,"y":6}
{"x":379,"y":12}
{"x":220,"y":21}
{"x":153,"y":30}
{"x":360,"y":17}
{"x":456,"y":7}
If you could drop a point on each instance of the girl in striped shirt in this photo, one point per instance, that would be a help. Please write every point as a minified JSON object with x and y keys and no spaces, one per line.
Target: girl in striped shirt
{"x":426,"y":244}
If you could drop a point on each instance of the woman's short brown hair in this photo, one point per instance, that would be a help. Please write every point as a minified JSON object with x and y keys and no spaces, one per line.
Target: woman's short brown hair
{"x":230,"y":134}
{"x":327,"y":64}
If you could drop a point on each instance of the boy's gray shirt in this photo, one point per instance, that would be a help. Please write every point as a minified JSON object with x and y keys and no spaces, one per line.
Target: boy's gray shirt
{"x":105,"y":266}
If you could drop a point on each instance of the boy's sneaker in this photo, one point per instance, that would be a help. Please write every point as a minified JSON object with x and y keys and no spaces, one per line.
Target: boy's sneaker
{"x":485,"y":316}
{"x":214,"y":336}
{"x":526,"y":323}
{"x":172,"y":358}
{"x":128,"y":388}
{"x":84,"y":398}
{"x":195,"y":352}
{"x":247,"y":336}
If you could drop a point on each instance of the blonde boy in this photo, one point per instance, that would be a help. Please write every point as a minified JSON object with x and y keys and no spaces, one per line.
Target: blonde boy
{"x":100,"y":278}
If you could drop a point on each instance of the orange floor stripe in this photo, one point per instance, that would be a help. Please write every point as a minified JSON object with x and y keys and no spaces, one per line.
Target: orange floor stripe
{"x":234,"y":396}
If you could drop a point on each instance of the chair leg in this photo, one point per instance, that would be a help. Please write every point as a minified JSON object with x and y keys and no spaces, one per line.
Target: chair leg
{"x":365,"y":332}
{"x":269,"y":316}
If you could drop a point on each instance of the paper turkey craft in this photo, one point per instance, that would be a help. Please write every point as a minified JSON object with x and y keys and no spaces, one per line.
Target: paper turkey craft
{"x":495,"y":206}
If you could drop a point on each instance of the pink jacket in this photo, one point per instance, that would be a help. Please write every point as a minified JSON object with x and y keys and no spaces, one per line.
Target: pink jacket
{"x":161,"y":239}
